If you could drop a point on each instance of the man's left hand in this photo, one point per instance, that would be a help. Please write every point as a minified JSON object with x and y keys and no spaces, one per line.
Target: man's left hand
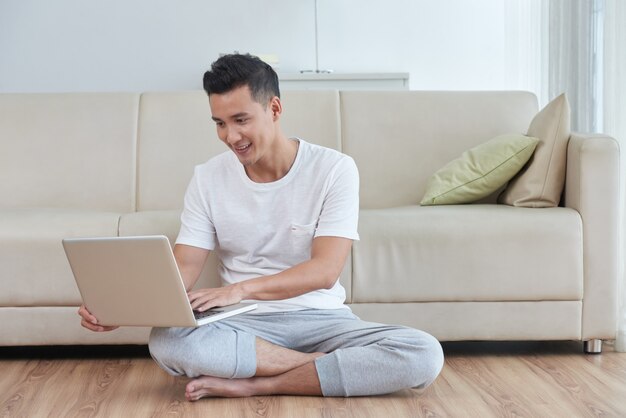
{"x":204,"y":299}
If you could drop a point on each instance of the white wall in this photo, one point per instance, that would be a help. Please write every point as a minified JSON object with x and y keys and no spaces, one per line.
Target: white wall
{"x":138,"y":45}
{"x":443,"y":44}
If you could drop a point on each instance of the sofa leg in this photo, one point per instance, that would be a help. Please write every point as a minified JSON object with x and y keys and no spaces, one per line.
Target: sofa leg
{"x":593,"y":346}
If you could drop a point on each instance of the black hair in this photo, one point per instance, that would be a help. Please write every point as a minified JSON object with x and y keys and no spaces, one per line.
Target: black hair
{"x":236,"y":70}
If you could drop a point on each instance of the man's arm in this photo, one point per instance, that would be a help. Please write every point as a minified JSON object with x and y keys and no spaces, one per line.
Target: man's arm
{"x":190,"y":261}
{"x":328,"y":256}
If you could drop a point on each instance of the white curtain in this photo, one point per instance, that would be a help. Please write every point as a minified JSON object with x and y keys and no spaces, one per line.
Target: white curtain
{"x":586,"y":54}
{"x":614,"y":118}
{"x":574,"y":65}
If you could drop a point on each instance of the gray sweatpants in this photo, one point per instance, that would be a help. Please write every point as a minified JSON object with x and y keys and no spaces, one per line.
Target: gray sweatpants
{"x":364,"y":358}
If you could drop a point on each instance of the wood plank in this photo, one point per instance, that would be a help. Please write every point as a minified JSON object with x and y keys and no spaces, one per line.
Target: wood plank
{"x":478,"y":380}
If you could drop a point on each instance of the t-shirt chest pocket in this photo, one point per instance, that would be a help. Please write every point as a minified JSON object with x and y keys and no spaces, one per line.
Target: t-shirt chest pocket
{"x":302,"y":238}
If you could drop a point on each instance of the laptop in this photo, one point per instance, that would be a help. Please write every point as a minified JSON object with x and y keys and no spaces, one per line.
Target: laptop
{"x":135,"y":281}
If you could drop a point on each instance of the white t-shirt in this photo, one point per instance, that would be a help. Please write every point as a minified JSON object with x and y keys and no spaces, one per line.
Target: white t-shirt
{"x":260,"y":229}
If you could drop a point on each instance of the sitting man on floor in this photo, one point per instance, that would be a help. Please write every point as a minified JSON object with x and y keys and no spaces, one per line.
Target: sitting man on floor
{"x":282,"y":214}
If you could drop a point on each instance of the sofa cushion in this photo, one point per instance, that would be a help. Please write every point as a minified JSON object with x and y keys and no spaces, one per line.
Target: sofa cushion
{"x":69,"y":150}
{"x":468,"y":253}
{"x":59,"y":325}
{"x":458,"y":321}
{"x":313,"y":116}
{"x":399,"y":139}
{"x":151,"y":222}
{"x":541,"y":182}
{"x":175,"y":134}
{"x":33,"y":266}
{"x":479,"y":171}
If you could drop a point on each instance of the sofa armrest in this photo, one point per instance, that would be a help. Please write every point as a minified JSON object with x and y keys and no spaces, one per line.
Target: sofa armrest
{"x":592,"y":187}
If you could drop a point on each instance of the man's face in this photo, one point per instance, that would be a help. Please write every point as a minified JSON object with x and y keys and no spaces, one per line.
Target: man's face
{"x":244,"y":125}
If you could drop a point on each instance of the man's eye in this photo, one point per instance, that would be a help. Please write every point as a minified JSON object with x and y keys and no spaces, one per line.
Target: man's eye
{"x":240,"y":121}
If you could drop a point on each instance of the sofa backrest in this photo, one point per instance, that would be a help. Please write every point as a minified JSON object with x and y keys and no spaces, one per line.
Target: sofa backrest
{"x":68,"y":150}
{"x":176,"y":133}
{"x":124,"y":152}
{"x":399,"y":139}
{"x":313,"y":116}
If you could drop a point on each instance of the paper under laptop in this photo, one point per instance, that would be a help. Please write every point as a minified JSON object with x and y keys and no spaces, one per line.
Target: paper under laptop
{"x":135,"y":281}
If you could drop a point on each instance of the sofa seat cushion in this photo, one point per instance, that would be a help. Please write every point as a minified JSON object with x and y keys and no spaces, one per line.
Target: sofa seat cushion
{"x":58,"y":325}
{"x":468,"y":253}
{"x":33,"y":266}
{"x":151,"y":222}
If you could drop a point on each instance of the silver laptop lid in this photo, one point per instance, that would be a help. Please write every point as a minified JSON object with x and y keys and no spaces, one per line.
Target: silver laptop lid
{"x":130,"y":280}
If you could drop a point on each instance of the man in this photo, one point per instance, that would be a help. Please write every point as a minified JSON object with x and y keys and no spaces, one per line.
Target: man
{"x":282,"y":214}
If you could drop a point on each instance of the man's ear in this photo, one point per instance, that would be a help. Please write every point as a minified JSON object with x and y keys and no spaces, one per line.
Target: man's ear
{"x":276,"y":107}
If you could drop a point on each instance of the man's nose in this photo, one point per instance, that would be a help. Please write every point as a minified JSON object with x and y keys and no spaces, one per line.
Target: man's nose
{"x":233,"y":135}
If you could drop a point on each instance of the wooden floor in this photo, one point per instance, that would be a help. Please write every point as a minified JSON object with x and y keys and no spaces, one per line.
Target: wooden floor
{"x":509,"y":379}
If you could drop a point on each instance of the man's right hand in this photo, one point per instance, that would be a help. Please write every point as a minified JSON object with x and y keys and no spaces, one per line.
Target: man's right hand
{"x":91,"y":322}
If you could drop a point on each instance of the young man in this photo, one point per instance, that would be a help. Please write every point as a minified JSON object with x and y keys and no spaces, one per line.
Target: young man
{"x":282,"y":214}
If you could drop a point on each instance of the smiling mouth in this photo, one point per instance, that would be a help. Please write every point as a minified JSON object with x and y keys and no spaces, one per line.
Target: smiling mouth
{"x":242,"y":149}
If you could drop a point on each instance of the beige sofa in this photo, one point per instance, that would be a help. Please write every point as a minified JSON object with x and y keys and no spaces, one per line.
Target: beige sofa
{"x":108,"y":164}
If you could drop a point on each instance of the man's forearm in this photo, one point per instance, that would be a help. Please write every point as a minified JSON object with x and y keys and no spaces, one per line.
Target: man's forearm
{"x":298,"y":280}
{"x":190,"y":261}
{"x":328,"y":256}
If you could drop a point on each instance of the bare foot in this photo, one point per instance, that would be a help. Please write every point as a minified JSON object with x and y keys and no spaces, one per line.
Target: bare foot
{"x":208,"y":386}
{"x":302,"y":380}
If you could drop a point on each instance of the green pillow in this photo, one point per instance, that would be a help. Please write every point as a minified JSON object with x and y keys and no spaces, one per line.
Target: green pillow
{"x":480,"y":171}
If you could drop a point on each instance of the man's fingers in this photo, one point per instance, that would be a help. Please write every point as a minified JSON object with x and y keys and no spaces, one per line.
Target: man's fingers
{"x":202,"y":304}
{"x":108,"y":328}
{"x":86,"y":315}
{"x":199,"y":299}
{"x":90,"y":325}
{"x":94,"y":327}
{"x":91,"y":322}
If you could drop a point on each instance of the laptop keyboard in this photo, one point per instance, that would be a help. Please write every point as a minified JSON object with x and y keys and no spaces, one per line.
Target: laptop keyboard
{"x":210,"y":312}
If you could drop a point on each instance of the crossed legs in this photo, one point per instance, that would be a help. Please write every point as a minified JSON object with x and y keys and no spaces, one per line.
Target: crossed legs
{"x":279,"y":371}
{"x":329,"y":353}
